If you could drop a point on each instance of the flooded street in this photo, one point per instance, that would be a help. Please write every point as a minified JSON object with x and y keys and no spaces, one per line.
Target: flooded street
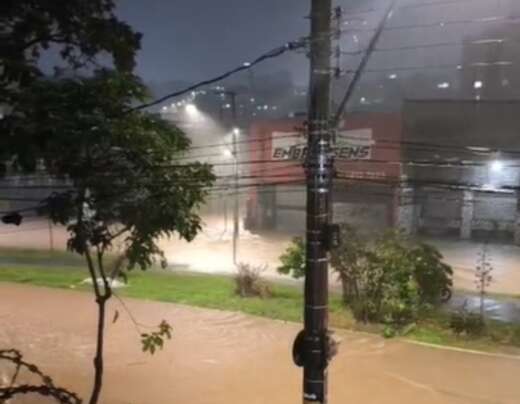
{"x":218,"y":357}
{"x":212,"y":252}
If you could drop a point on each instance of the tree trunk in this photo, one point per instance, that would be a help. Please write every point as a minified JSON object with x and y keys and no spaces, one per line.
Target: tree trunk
{"x":98,"y":359}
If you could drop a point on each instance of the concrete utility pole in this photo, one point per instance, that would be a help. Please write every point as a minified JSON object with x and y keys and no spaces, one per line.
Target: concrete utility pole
{"x":312,"y":348}
{"x":236,"y":220}
{"x":234,"y":133}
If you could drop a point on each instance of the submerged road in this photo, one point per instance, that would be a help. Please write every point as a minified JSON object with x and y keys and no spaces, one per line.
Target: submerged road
{"x":218,"y":357}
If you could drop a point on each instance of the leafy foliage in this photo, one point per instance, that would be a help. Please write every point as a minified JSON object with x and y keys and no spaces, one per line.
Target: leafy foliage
{"x":384,"y":288}
{"x":122,"y":165}
{"x":127,"y":186}
{"x":293,"y":259}
{"x":465,"y":322}
{"x":155,"y":339}
{"x":434,"y":277}
{"x":78,"y":30}
{"x":386,"y":280}
{"x":483,"y":277}
{"x":249,"y":282}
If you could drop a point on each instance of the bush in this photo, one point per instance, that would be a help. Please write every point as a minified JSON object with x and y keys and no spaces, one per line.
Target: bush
{"x":293,"y":259}
{"x":387,"y":280}
{"x":466,"y":322}
{"x":249,"y":282}
{"x":390,"y":279}
{"x":433,"y":276}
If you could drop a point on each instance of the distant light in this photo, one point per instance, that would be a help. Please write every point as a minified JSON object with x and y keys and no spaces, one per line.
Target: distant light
{"x":392,"y":76}
{"x":444,"y":85}
{"x":236,"y":131}
{"x":191,"y":109}
{"x":252,"y":100}
{"x":266,"y":107}
{"x":165,"y":108}
{"x":459,"y":67}
{"x":497,"y":166}
{"x":247,"y":64}
{"x":227,"y":106}
{"x":478,"y":84}
{"x":274,"y":107}
{"x":363,"y":100}
{"x":179,"y":104}
{"x":227,"y":153}
{"x":505,"y":82}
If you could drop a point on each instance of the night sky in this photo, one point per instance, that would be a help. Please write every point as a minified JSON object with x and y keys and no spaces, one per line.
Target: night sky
{"x":190,"y":40}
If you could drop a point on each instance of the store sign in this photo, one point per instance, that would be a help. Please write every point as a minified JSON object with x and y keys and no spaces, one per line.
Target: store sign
{"x":350,"y":145}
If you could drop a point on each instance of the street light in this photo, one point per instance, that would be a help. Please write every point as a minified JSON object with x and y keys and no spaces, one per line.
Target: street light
{"x":227,"y":153}
{"x":191,"y":109}
{"x":235,"y":132}
{"x":497,"y":166}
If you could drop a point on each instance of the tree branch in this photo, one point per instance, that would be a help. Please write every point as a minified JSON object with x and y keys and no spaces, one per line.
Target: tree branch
{"x":47,"y":389}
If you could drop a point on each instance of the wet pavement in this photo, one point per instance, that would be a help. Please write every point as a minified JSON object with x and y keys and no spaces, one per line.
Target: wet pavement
{"x":218,"y":357}
{"x":502,"y":309}
{"x":211,"y":251}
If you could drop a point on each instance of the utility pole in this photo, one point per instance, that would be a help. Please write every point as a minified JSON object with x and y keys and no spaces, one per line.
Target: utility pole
{"x":312,"y":348}
{"x":51,"y":236}
{"x":235,"y":132}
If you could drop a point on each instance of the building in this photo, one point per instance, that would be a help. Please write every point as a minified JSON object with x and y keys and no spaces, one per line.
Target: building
{"x":366,"y":186}
{"x":444,"y":168}
{"x":461,"y":162}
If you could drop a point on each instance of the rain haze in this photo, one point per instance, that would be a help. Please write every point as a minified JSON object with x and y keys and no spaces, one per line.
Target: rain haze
{"x":349,"y":165}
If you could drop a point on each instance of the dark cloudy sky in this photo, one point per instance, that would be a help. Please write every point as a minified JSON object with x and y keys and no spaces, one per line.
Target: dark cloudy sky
{"x":194,"y":39}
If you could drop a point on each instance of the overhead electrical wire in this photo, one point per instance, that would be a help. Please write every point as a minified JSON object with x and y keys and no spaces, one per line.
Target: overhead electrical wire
{"x":289,"y":46}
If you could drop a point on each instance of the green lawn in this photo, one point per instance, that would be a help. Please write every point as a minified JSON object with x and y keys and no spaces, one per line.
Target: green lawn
{"x":217,"y":292}
{"x":210,"y":291}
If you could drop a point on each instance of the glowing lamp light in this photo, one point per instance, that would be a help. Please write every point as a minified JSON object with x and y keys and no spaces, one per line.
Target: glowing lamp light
{"x":236,"y":131}
{"x":497,"y":166}
{"x":478,"y":84}
{"x":191,"y":109}
{"x":227,"y":153}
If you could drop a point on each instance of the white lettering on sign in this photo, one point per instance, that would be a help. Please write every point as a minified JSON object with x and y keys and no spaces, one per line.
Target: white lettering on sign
{"x":350,"y":145}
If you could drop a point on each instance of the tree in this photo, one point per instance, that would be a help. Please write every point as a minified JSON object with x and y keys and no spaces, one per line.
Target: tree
{"x":128,"y":184}
{"x":79,"y":30}
{"x":293,"y":259}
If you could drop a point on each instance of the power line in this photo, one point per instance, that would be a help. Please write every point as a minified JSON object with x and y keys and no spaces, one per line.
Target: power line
{"x":289,"y":46}
{"x":483,"y":41}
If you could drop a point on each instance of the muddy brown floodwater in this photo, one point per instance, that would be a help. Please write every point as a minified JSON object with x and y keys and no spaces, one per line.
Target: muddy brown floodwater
{"x":215,"y":243}
{"x":218,"y":357}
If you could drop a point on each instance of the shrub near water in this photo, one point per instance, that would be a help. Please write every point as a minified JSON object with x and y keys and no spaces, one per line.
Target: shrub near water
{"x":386,"y":280}
{"x":249,"y":282}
